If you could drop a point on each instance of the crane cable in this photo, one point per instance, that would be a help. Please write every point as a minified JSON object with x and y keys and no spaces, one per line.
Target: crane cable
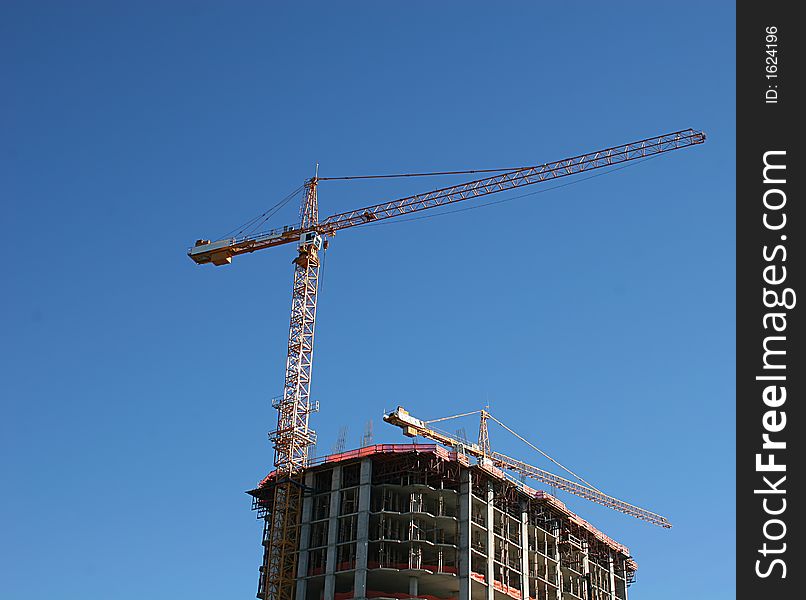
{"x":533,"y":447}
{"x":521,"y":438}
{"x":493,"y":202}
{"x":396,"y":175}
{"x":467,"y":414}
{"x":257,"y":221}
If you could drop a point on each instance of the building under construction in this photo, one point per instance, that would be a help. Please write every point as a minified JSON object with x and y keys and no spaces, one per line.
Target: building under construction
{"x":421,"y":521}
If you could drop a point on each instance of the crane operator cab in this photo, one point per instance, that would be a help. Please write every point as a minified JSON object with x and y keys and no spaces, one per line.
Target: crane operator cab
{"x":310,"y":243}
{"x":311,"y":237}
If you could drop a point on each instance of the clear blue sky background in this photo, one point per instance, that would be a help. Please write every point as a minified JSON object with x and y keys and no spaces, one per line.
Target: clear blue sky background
{"x":597,"y":319}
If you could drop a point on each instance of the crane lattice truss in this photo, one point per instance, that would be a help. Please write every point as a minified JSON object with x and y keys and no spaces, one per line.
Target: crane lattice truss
{"x":412,"y":427}
{"x":293,"y":436}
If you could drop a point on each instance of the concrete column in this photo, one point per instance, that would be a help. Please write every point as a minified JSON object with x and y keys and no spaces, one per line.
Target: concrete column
{"x":612,"y":575}
{"x":332,"y":534}
{"x":490,"y":543}
{"x":413,"y":581}
{"x":524,"y":550}
{"x":304,"y":539}
{"x":362,"y":533}
{"x":586,"y":570}
{"x":624,"y":574}
{"x":463,"y":559}
{"x":559,"y":565}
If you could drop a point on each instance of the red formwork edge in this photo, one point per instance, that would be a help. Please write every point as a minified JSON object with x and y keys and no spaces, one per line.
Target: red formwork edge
{"x":397,"y":595}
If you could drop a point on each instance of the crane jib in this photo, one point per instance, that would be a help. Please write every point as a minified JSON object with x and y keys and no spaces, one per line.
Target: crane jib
{"x":413,"y":427}
{"x":514,"y":178}
{"x":221,"y":252}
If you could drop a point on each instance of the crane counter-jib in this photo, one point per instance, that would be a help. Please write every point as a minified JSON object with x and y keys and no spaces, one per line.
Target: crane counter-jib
{"x":221,"y":251}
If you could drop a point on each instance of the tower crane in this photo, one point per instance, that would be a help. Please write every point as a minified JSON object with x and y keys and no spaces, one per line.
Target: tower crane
{"x":293,"y":436}
{"x":413,"y":427}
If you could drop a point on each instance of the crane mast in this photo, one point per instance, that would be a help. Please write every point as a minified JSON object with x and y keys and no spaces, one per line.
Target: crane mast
{"x":293,"y":436}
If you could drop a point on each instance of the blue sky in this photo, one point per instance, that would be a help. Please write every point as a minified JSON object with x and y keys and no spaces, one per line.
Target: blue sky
{"x":597,"y":319}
